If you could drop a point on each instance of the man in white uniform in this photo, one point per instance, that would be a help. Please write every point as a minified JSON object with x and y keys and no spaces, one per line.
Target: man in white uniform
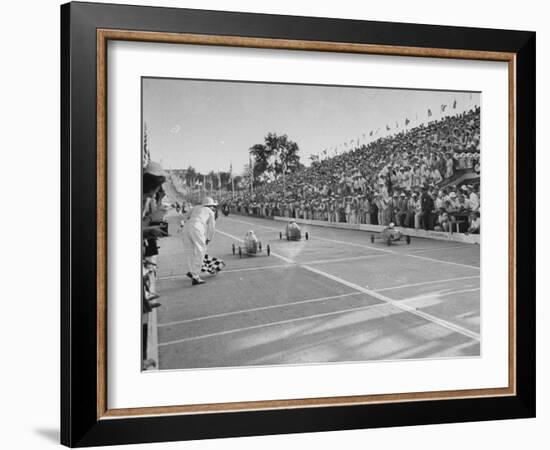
{"x":198,"y":231}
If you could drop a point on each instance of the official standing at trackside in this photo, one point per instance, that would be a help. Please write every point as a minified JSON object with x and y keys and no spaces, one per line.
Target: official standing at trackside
{"x":198,"y":231}
{"x":427,"y":205}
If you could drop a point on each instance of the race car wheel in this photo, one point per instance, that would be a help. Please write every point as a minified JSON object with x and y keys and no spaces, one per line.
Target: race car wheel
{"x":233,"y":248}
{"x":260,"y":246}
{"x":307,"y":236}
{"x":240,"y":252}
{"x":408,"y":239}
{"x":280,"y":235}
{"x":372,"y":238}
{"x":268,"y":250}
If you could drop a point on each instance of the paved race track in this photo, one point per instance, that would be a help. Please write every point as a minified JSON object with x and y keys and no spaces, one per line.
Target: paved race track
{"x":335,"y":297}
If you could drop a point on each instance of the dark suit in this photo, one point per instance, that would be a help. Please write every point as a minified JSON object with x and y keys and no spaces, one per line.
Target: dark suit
{"x":427,"y":205}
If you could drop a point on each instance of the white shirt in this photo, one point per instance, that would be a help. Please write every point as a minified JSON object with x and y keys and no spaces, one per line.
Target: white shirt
{"x":203,"y":219}
{"x":474,"y":201}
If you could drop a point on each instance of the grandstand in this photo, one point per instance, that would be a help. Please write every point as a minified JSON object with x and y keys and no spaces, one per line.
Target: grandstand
{"x":382,"y":182}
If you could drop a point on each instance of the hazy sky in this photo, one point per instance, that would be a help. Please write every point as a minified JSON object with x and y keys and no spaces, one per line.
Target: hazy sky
{"x":210,"y":124}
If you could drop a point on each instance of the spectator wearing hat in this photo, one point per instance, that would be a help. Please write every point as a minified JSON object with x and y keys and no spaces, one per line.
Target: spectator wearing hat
{"x":401,"y":210}
{"x":417,"y":210}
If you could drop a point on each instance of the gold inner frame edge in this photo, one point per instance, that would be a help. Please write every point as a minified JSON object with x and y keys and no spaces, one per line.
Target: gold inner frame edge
{"x":103,"y":36}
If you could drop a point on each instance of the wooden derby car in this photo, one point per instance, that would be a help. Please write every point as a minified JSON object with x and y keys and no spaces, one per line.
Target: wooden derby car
{"x":391,"y":235}
{"x":251,"y":246}
{"x":292,"y":232}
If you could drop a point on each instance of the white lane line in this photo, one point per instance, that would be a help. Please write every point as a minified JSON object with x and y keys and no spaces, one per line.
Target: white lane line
{"x":261,"y":308}
{"x":275,"y":266}
{"x":246,"y":269}
{"x":353,"y":258}
{"x":380,"y":249}
{"x":284,"y":258}
{"x":399,"y":305}
{"x":436,"y":295}
{"x":468,"y":266}
{"x":271,"y":324}
{"x":402,"y":286}
{"x":440,"y":248}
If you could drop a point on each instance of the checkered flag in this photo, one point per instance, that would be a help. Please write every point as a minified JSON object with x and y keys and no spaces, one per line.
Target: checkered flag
{"x":212,"y":265}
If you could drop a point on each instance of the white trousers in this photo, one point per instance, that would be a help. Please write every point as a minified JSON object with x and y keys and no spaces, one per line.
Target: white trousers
{"x":194,"y":249}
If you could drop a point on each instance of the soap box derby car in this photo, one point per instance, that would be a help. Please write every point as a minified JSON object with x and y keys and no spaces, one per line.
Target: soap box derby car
{"x":390,"y":235}
{"x":252,"y":246}
{"x":292,"y":232}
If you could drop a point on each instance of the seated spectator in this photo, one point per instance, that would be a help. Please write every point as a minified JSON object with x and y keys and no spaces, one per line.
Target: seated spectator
{"x":475,"y":223}
{"x":442,"y":223}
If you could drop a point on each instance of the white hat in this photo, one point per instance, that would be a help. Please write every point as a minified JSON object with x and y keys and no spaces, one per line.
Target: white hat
{"x":452,"y":195}
{"x":209,"y":201}
{"x":155,"y":169}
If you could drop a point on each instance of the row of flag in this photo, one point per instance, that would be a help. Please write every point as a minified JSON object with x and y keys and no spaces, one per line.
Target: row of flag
{"x":373,"y":133}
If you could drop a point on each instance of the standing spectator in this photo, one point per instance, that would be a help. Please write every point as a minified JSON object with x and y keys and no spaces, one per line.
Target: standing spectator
{"x":347,"y":210}
{"x":374,"y":210}
{"x":366,"y":210}
{"x":402,"y":210}
{"x":449,"y":171}
{"x":435,"y":176}
{"x":427,"y":205}
{"x":474,"y":199}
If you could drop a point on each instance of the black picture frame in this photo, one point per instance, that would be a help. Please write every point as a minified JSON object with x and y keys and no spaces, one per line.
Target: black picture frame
{"x":80,"y":424}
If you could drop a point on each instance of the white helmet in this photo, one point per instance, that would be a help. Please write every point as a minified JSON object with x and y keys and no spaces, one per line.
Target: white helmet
{"x":392,"y":225}
{"x":209,"y":201}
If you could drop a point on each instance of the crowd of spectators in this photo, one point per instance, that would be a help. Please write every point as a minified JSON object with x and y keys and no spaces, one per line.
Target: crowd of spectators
{"x":153,"y":227}
{"x":407,"y":178}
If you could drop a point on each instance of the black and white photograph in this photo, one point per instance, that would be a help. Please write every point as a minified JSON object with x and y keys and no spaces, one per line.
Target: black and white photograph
{"x":290,"y":224}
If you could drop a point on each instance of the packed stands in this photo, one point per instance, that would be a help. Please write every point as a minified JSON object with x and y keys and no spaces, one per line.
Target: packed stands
{"x":426,"y":177}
